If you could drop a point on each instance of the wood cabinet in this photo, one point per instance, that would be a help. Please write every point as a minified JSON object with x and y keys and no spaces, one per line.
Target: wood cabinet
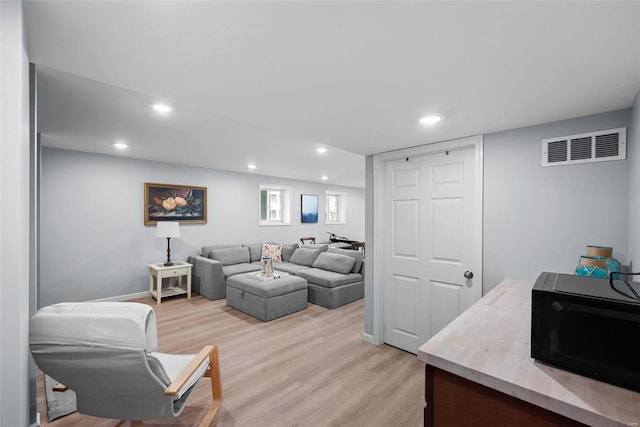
{"x":455,"y":401}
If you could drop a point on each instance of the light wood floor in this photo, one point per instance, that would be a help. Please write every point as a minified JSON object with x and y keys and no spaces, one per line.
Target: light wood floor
{"x":311,"y":368}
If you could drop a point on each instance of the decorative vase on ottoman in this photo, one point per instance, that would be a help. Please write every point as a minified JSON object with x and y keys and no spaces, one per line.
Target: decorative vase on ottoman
{"x":593,"y":266}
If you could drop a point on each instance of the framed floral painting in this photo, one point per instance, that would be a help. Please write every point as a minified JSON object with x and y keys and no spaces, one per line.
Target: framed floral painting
{"x":168,"y":202}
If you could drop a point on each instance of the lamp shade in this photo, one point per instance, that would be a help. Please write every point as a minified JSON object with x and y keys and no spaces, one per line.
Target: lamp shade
{"x":168,"y":229}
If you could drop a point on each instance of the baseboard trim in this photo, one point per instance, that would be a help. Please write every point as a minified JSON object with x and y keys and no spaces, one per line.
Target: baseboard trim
{"x":370,"y":339}
{"x":123,"y":297}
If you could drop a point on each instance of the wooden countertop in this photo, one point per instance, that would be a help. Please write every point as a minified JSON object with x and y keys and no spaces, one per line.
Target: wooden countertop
{"x":490,"y":344}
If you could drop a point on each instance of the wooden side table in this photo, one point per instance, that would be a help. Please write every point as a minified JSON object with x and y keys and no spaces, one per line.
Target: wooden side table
{"x":158,"y":271}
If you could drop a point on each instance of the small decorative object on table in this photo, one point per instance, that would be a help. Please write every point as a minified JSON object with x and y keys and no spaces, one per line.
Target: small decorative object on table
{"x":266,"y":266}
{"x":593,"y":266}
{"x":606,"y":252}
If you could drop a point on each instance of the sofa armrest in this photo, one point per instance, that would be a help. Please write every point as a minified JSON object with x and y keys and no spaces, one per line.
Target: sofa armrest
{"x":208,"y":278}
{"x":362,"y":269}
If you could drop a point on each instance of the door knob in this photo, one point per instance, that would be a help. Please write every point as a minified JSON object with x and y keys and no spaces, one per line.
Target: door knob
{"x":468,"y":274}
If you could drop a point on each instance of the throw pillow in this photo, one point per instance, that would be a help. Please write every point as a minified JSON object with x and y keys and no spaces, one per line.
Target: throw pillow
{"x":207,"y":249}
{"x":334,"y":262}
{"x":255,"y":251}
{"x":322,"y":246}
{"x":304,"y":256}
{"x":357,"y":255}
{"x":287,"y":251}
{"x":230,"y":256}
{"x":274,"y":251}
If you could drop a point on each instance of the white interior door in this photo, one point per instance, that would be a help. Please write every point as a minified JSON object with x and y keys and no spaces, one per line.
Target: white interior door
{"x":432,"y":219}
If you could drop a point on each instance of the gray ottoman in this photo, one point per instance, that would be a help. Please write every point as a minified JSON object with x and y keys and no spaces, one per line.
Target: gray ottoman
{"x":269,"y":299}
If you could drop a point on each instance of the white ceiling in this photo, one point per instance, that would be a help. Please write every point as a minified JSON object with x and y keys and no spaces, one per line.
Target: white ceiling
{"x":269,"y":81}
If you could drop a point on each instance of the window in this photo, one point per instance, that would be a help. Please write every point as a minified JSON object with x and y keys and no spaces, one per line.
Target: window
{"x":335,"y":207}
{"x":275,"y":205}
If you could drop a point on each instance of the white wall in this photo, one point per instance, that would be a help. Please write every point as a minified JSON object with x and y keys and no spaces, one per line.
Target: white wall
{"x":14,"y":218}
{"x":634,"y":186}
{"x":94,"y":243}
{"x":541,"y":219}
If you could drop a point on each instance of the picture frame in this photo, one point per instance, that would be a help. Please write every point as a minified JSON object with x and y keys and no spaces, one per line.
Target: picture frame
{"x":308,"y":208}
{"x":170,"y":202}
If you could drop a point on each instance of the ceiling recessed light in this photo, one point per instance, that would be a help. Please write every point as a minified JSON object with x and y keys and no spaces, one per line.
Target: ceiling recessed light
{"x":431,"y":119}
{"x":120,"y":145}
{"x":324,"y":177}
{"x":162,"y":108}
{"x":321,"y":150}
{"x":251,"y":166}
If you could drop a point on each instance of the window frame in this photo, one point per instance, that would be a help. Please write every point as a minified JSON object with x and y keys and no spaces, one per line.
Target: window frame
{"x":341,"y":208}
{"x":284,"y":193}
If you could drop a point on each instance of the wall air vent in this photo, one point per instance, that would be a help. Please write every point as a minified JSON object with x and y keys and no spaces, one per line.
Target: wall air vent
{"x":590,"y":147}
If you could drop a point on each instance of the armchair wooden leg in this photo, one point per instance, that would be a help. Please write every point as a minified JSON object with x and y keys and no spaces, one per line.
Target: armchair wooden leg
{"x":60,"y":387}
{"x":216,"y":387}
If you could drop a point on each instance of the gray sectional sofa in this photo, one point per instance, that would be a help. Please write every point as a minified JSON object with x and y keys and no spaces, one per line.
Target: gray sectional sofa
{"x":335,"y":276}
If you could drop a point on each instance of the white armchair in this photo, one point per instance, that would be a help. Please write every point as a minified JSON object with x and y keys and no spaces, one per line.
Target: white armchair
{"x":106,"y":352}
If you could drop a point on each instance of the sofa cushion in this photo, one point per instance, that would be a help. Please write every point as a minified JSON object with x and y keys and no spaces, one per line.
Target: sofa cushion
{"x":274,"y":251}
{"x":230,"y":256}
{"x":357,"y":255}
{"x":334,"y":262}
{"x":232,"y":270}
{"x":287,"y":251}
{"x":255,"y":251}
{"x":305,"y":256}
{"x":328,"y":279}
{"x":291,"y":268}
{"x":207,"y":249}
{"x":322,"y":246}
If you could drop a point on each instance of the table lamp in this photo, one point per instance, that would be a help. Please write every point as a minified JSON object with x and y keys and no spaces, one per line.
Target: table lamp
{"x":168,"y":229}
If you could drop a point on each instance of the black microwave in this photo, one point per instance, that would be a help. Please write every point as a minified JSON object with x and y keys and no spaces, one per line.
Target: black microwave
{"x":588,"y":326}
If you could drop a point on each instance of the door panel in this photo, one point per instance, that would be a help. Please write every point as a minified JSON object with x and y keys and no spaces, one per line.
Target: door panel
{"x":405,"y":321}
{"x":406,"y":219}
{"x":447,"y":296}
{"x":430,"y":211}
{"x":406,"y":178}
{"x":450,"y":173}
{"x":447,"y":233}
